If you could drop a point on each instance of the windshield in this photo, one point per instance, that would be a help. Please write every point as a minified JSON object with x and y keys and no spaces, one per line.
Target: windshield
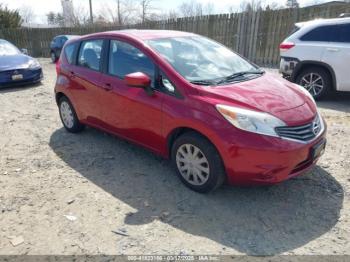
{"x":8,"y":49}
{"x":71,"y":36}
{"x":197,"y":58}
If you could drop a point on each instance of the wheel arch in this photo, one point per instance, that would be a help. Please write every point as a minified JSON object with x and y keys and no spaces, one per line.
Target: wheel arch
{"x":178,"y":131}
{"x":58,"y":96}
{"x":309,"y":63}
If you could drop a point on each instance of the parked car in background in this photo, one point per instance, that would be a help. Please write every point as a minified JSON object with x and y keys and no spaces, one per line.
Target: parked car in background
{"x":17,"y":68}
{"x":214,"y":114}
{"x":57,"y":44}
{"x":317,"y":56}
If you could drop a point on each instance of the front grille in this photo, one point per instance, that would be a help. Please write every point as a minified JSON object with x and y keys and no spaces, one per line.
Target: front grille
{"x":303,"y":133}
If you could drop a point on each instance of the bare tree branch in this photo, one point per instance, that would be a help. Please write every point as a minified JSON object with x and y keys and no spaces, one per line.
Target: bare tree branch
{"x":121,"y":12}
{"x":194,"y":8}
{"x":27,"y":14}
{"x":147,"y":10}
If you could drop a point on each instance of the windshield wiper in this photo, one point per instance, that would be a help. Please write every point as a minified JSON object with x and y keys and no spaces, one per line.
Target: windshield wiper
{"x":239,"y":74}
{"x":229,"y":78}
{"x":203,"y":82}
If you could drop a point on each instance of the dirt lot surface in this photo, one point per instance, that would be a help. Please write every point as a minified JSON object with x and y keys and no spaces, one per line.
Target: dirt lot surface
{"x":92,"y":193}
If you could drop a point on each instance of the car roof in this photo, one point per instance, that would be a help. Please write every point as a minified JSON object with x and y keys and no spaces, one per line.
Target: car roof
{"x":68,"y":36}
{"x":3,"y":40}
{"x":144,"y":35}
{"x":318,"y":22}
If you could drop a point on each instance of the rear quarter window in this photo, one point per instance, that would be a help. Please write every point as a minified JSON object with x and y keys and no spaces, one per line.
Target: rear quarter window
{"x":321,"y":34}
{"x":69,"y":52}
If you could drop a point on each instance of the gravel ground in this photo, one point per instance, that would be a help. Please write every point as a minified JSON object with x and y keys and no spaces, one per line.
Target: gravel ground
{"x":92,"y":193}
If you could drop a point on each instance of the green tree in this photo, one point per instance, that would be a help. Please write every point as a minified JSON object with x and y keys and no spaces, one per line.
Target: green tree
{"x":59,"y":19}
{"x":292,"y":4}
{"x":51,"y":18}
{"x":55,"y":19}
{"x":9,"y":18}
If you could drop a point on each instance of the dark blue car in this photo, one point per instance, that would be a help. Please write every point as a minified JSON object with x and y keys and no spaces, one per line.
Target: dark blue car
{"x":57,"y":44}
{"x":17,"y":68}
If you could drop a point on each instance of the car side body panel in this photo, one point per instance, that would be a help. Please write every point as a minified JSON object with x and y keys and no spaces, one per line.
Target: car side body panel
{"x":337,"y":56}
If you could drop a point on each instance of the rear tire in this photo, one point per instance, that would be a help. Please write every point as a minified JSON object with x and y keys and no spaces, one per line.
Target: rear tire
{"x":53,"y":57}
{"x":68,"y":116}
{"x":198,"y":163}
{"x":316,"y":80}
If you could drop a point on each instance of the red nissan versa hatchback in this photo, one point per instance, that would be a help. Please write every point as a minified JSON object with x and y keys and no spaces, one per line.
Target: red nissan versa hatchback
{"x":214,"y":114}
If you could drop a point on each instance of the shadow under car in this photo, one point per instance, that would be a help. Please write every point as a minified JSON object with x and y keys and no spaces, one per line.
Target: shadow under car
{"x":256,"y":221}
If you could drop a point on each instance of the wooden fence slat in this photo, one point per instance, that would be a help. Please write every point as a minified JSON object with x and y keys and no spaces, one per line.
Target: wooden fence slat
{"x":255,"y":35}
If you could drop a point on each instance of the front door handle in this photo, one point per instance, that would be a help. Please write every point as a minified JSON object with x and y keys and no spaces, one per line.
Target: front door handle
{"x":332,"y":49}
{"x":108,"y":87}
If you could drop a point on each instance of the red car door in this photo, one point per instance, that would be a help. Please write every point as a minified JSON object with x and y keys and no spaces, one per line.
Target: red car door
{"x":86,"y":77}
{"x":130,"y":111}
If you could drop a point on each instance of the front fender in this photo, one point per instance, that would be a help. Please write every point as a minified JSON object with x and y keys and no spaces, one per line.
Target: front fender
{"x":204,"y":123}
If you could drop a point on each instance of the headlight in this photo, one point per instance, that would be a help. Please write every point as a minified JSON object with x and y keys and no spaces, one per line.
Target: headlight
{"x":251,"y":121}
{"x":307,"y":93}
{"x":33,"y":64}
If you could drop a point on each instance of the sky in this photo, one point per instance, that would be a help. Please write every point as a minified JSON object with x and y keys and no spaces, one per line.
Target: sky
{"x":42,"y":7}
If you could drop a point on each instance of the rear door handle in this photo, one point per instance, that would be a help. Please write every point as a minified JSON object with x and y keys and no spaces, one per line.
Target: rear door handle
{"x":108,"y":87}
{"x":332,"y":49}
{"x":72,"y":74}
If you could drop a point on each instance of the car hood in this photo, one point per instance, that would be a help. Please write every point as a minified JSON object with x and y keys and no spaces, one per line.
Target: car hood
{"x":267,"y":93}
{"x":12,"y":62}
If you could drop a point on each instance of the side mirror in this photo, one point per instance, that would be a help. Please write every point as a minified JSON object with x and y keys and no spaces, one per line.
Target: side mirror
{"x":140,"y":80}
{"x":24,"y":51}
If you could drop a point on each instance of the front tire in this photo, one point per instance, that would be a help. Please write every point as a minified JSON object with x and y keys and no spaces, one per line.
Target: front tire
{"x":68,"y":116}
{"x":316,"y":80}
{"x":198,"y":163}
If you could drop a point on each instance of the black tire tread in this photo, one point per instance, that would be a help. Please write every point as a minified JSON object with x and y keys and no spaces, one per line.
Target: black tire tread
{"x":328,"y":85}
{"x":56,"y":58}
{"x":211,"y":153}
{"x":77,"y":127}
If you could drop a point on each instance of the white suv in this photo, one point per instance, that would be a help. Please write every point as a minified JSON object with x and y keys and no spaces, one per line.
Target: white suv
{"x":317,"y":56}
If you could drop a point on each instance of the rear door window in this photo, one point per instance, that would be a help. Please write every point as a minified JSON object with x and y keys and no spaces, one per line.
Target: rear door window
{"x":321,"y":34}
{"x":90,"y":54}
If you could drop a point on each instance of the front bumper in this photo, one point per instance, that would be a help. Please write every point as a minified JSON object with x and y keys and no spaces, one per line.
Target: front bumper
{"x":30,"y":76}
{"x":262,"y":160}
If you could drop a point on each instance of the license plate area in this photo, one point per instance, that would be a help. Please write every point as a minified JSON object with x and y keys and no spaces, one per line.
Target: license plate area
{"x":17,"y":77}
{"x":318,"y":149}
